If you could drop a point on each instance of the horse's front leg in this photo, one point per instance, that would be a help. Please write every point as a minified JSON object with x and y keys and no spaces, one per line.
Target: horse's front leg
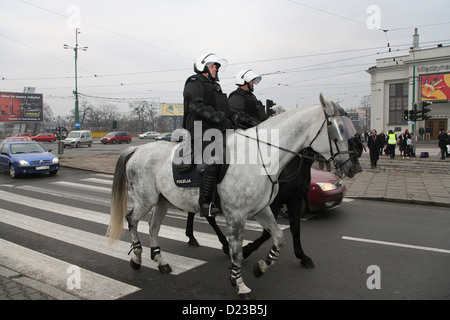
{"x":294,"y":209}
{"x":154,"y":226}
{"x":268,"y":222}
{"x":235,"y":230}
{"x":190,"y":230}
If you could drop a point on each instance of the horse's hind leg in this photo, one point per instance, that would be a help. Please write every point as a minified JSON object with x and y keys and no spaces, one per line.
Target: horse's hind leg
{"x":154,"y":226}
{"x":268,"y":222}
{"x":133,"y":217}
{"x":235,"y":230}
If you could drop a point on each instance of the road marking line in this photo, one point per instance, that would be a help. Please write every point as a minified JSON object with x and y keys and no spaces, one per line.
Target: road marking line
{"x":82,"y":186}
{"x":394,"y":244}
{"x":92,"y":241}
{"x":97,"y":180}
{"x":53,"y":272}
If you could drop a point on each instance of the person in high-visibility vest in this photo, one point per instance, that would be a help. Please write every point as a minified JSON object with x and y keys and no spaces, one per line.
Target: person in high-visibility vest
{"x":392,"y":142}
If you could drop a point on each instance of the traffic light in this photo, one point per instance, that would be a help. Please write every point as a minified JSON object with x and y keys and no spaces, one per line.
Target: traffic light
{"x":114,"y":124}
{"x":413,"y":114}
{"x":269,"y":105}
{"x":425,"y":110}
{"x":405,"y":115}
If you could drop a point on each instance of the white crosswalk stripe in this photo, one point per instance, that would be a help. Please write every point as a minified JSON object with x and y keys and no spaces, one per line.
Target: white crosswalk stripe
{"x":93,"y":190}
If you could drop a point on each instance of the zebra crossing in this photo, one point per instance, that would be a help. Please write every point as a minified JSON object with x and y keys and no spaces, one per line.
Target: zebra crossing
{"x":16,"y":201}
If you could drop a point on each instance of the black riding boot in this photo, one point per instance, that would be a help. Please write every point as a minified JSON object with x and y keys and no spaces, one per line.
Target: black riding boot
{"x":207,"y":207}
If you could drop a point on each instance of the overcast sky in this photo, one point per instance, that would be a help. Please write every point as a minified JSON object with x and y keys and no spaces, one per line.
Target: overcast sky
{"x":144,"y":49}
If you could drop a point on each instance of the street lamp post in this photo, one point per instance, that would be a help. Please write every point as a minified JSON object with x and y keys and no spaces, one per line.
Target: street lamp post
{"x":75,"y":49}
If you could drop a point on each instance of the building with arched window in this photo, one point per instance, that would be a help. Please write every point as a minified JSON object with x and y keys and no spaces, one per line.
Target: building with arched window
{"x":404,"y":83}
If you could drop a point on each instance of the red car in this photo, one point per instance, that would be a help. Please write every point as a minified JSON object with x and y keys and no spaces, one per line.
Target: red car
{"x":326,"y":191}
{"x":50,"y":137}
{"x":116,"y":137}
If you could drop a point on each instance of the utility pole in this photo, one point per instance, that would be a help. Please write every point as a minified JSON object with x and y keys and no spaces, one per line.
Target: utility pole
{"x":75,"y":49}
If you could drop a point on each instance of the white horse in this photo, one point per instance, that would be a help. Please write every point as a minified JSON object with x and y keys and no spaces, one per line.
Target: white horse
{"x":246,"y":190}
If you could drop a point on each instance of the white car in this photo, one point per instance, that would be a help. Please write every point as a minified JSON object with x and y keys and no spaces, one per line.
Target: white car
{"x":149,"y":135}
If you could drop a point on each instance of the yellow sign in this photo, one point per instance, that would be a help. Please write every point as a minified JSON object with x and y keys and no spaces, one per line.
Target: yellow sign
{"x":172,"y":110}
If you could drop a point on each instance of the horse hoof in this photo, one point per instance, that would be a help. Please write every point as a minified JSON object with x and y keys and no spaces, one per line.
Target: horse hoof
{"x":194,"y":243}
{"x":308,"y":264}
{"x":165,"y":269}
{"x":247,"y":296}
{"x":134,"y":265}
{"x":257,"y":270}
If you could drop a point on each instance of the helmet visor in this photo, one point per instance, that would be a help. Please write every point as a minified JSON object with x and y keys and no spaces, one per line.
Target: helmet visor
{"x":211,"y":59}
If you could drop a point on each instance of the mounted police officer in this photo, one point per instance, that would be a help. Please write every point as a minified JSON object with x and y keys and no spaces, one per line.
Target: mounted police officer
{"x":206,"y":104}
{"x":243,"y":101}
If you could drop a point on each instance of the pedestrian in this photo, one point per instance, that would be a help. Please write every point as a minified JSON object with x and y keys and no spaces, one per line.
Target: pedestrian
{"x":448,"y":144}
{"x":205,"y":104}
{"x":428,"y":133}
{"x":443,"y":141}
{"x":421,"y":133}
{"x":391,"y":143}
{"x":382,"y":139}
{"x":406,"y":144}
{"x":373,"y":143}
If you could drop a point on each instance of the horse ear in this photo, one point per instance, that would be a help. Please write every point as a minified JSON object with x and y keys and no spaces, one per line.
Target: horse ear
{"x":328,"y":105}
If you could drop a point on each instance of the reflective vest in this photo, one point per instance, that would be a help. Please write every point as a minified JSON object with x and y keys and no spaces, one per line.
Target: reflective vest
{"x":391,"y":138}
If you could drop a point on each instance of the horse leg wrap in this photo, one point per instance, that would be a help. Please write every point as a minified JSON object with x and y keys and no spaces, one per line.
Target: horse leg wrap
{"x":136,"y":247}
{"x":136,"y":259}
{"x":273,"y":255}
{"x":154,"y":251}
{"x":235,"y":275}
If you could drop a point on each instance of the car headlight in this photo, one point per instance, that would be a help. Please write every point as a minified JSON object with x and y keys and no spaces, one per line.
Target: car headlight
{"x":326,"y":186}
{"x":23,"y":163}
{"x":55,"y":160}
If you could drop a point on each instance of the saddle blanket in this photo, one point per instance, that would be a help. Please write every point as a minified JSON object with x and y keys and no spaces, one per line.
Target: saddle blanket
{"x":188,"y":179}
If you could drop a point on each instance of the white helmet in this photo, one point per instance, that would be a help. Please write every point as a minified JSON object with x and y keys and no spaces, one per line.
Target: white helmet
{"x":247,"y":75}
{"x":208,"y":59}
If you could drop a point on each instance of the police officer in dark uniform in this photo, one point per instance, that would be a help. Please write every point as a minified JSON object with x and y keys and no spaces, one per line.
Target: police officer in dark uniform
{"x":206,"y":104}
{"x":243,"y":101}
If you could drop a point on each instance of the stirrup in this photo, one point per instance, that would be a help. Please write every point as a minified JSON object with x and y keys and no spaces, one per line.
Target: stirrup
{"x":212,"y":211}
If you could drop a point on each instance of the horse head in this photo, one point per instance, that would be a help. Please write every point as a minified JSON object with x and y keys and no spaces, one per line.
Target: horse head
{"x":345,"y":146}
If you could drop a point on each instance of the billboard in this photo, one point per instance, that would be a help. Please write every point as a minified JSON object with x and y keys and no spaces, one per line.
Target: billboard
{"x":17,"y":106}
{"x":172,"y":110}
{"x":436,"y":87}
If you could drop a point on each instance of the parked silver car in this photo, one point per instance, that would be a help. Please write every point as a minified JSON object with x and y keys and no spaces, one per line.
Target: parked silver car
{"x":149,"y":135}
{"x":77,"y":138}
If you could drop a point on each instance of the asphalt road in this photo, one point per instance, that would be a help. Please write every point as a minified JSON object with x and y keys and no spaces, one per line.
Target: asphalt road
{"x":362,"y":250}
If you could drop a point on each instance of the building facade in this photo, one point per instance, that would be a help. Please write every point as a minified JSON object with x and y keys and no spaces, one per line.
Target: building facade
{"x":399,"y":83}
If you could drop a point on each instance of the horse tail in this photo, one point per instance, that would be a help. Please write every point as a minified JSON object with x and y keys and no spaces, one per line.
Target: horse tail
{"x":119,"y":196}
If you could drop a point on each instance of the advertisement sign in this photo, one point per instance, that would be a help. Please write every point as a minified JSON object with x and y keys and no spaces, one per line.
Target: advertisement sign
{"x":436,"y":87}
{"x":17,"y":106}
{"x":172,"y":110}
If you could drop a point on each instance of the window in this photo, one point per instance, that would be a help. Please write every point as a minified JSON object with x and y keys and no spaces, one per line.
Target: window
{"x":398,"y":102}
